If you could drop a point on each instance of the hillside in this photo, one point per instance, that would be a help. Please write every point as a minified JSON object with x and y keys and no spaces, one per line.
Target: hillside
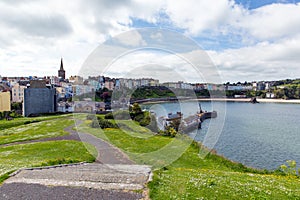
{"x":182,"y":169}
{"x":192,"y":176}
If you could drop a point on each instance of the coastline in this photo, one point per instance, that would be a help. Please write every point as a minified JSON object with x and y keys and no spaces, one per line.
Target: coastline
{"x":247,"y":100}
{"x":244,"y":100}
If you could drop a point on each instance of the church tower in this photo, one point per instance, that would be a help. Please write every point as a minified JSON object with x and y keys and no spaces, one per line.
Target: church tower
{"x":61,"y":71}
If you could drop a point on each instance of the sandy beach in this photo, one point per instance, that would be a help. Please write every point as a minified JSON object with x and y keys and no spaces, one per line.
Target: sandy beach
{"x":296,"y":101}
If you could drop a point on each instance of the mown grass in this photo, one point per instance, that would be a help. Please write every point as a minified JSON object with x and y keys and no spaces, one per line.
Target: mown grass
{"x":187,"y":175}
{"x":186,"y":183}
{"x":43,"y":153}
{"x":38,"y":130}
{"x":26,"y":120}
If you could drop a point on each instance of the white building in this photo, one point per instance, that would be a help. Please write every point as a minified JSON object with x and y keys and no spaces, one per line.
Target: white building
{"x":54,"y":80}
{"x":18,"y":93}
{"x":270,"y":95}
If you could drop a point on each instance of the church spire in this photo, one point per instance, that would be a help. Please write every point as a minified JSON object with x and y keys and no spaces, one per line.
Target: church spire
{"x":61,"y":64}
{"x":61,"y":71}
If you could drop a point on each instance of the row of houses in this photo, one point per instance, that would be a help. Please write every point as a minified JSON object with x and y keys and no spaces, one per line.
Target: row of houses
{"x":76,"y":85}
{"x":49,"y":93}
{"x":40,"y":97}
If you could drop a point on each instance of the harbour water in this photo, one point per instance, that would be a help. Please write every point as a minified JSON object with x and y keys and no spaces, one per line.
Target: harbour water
{"x":261,"y":135}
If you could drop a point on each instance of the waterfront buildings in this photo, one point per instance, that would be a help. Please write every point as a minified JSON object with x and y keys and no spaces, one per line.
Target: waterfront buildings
{"x":76,"y":80}
{"x":58,"y":93}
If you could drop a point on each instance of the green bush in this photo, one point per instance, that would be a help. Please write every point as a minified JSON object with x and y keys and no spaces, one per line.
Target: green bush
{"x":102,"y":123}
{"x":12,"y":114}
{"x":136,"y":108}
{"x":109,"y":116}
{"x":145,"y":121}
{"x":169,"y":132}
{"x":143,"y":118}
{"x":139,"y":117}
{"x":290,"y":168}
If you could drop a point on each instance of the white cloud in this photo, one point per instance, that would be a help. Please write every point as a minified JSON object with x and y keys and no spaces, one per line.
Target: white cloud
{"x":36,"y":34}
{"x":198,"y":16}
{"x":272,"y":21}
{"x":264,"y":61}
{"x":132,"y":38}
{"x":193,"y":66}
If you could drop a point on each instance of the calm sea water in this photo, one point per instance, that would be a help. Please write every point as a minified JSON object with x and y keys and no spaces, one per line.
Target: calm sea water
{"x":261,"y":135}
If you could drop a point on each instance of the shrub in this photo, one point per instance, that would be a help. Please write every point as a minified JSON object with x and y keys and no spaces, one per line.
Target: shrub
{"x":145,"y":122}
{"x":290,"y":168}
{"x":102,"y":123}
{"x":9,"y":114}
{"x":136,"y":108}
{"x":139,"y":117}
{"x":109,"y":116}
{"x":169,"y":131}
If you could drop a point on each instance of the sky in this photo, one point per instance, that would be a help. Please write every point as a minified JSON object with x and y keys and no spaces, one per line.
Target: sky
{"x":244,"y":40}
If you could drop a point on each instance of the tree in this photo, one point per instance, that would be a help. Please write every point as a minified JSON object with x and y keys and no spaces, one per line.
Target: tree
{"x":170,"y":131}
{"x":16,"y":106}
{"x":136,"y":109}
{"x":175,"y":124}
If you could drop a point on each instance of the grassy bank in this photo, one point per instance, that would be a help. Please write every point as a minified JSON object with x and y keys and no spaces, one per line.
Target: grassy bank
{"x":180,"y":173}
{"x":43,"y":153}
{"x":26,"y":120}
{"x":186,"y":183}
{"x":44,"y":129}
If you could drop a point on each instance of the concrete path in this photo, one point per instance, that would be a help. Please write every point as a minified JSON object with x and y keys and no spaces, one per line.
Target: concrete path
{"x":22,"y":191}
{"x":79,"y":181}
{"x":107,"y":154}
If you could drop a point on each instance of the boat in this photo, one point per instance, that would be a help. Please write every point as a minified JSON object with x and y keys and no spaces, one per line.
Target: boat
{"x":189,"y":123}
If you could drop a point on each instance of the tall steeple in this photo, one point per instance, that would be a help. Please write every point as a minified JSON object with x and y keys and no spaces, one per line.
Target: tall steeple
{"x":61,"y":71}
{"x":61,"y":64}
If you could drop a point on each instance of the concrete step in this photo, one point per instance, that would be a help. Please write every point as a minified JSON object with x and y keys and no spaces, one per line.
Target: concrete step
{"x":91,"y":175}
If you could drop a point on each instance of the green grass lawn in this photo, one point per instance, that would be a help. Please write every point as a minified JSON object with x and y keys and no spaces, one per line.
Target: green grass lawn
{"x":43,"y":153}
{"x":185,"y":183}
{"x":190,"y":176}
{"x":44,"y":129}
{"x":26,"y":120}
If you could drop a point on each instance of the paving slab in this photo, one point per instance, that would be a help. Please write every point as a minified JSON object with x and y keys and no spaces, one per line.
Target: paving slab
{"x":22,"y":191}
{"x":79,"y":181}
{"x":90,"y":175}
